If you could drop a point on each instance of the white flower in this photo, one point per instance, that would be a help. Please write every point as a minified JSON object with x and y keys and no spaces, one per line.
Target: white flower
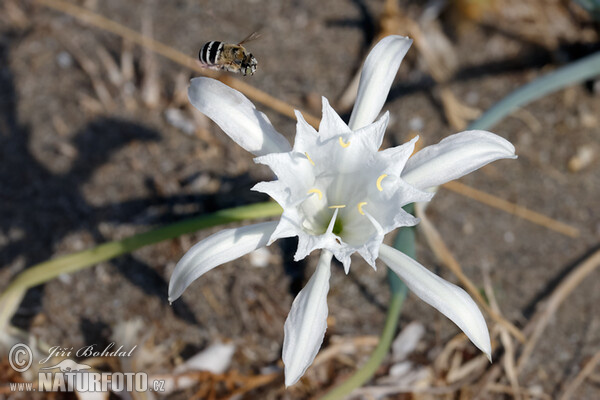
{"x":340,"y":194}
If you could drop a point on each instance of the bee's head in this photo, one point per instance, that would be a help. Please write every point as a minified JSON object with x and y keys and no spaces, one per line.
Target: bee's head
{"x":249,"y":65}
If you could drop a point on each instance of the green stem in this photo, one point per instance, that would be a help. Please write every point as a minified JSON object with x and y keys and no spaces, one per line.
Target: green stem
{"x":405,"y":242}
{"x":48,"y":270}
{"x":575,"y":72}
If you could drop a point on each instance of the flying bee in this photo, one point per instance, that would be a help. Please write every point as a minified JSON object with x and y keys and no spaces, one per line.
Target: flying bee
{"x":230,"y":57}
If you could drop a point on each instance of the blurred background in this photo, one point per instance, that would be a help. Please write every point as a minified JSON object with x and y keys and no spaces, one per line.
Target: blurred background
{"x":98,"y":142}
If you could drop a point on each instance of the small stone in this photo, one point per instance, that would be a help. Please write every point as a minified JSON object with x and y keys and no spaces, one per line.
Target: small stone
{"x":260,"y":257}
{"x":584,"y":156}
{"x":64,"y":59}
{"x":416,"y":124}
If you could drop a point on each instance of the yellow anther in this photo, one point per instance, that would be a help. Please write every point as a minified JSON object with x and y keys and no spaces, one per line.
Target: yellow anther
{"x":379,"y":182}
{"x":360,"y":205}
{"x":317,"y":191}
{"x":310,"y":159}
{"x":344,"y":145}
{"x":340,"y":206}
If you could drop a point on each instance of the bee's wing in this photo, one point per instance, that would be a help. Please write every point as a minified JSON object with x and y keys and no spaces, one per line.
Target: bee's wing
{"x":250,"y":37}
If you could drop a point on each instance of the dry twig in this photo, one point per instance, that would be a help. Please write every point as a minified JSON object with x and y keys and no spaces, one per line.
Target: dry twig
{"x":176,"y":56}
{"x":580,"y":378}
{"x":275,"y":104}
{"x":345,"y":346}
{"x":543,"y":316}
{"x":437,"y":244}
{"x":512,"y":208}
{"x":508,"y":361}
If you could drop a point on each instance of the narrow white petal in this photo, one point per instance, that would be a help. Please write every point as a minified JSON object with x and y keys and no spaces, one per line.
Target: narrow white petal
{"x":306,"y":323}
{"x":306,"y":135}
{"x":223,"y":246}
{"x":236,"y":116}
{"x":293,"y":168}
{"x":446,"y":297}
{"x":276,"y":189}
{"x":376,"y":79}
{"x":372,"y":135}
{"x":455,"y":156}
{"x":332,"y":125}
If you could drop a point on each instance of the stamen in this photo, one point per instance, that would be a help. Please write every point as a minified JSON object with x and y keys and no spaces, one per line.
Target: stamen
{"x":310,"y":160}
{"x":379,"y":182}
{"x":340,"y":206}
{"x":332,"y":222}
{"x":317,"y":191}
{"x":344,"y":145}
{"x":360,"y":205}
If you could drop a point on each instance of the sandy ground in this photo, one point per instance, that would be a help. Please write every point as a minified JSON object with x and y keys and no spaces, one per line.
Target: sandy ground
{"x":86,"y":157}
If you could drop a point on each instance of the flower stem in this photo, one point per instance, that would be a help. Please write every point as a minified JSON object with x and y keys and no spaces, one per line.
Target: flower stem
{"x":405,"y":242}
{"x":45,"y":271}
{"x":575,"y":72}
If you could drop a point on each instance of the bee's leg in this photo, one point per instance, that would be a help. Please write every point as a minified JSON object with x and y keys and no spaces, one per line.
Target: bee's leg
{"x":231,"y":67}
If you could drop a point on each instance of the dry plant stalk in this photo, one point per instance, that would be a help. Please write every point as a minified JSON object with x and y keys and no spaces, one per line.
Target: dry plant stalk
{"x":536,"y":327}
{"x":131,"y":36}
{"x":512,"y":208}
{"x":586,"y":371}
{"x":150,"y":86}
{"x":345,"y":346}
{"x":439,"y":57}
{"x":543,"y":316}
{"x":92,"y":70}
{"x":176,"y":56}
{"x":508,"y":361}
{"x":444,"y":254}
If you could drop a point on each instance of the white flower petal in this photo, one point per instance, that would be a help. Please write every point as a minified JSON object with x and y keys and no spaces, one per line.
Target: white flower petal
{"x":307,"y":243}
{"x":373,"y":135}
{"x":275,"y":189}
{"x":446,"y":297}
{"x":332,"y":125}
{"x":223,"y":246}
{"x":397,"y":157}
{"x":293,"y":168}
{"x":306,"y":323}
{"x":236,"y":116}
{"x":306,"y":135}
{"x":455,"y":156}
{"x":287,"y":226}
{"x":376,"y":79}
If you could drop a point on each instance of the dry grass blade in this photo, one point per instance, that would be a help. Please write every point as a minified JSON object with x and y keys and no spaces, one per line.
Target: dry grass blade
{"x":456,"y":112}
{"x":175,"y":55}
{"x":512,"y":208}
{"x":150,"y":86}
{"x":542,"y":317}
{"x":442,"y":252}
{"x":471,"y":368}
{"x":277,"y":105}
{"x":503,"y":389}
{"x":345,"y":346}
{"x":254,"y":382}
{"x":91,"y":68}
{"x":508,"y":361}
{"x":581,"y":377}
{"x":376,"y":392}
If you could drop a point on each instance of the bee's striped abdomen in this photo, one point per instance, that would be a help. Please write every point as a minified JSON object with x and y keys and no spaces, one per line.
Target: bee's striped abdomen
{"x":210,"y":52}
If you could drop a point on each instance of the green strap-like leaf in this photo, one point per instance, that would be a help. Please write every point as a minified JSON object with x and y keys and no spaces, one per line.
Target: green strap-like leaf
{"x":43,"y":272}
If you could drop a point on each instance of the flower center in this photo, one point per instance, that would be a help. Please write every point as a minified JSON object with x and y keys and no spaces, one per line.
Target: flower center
{"x":340,"y":198}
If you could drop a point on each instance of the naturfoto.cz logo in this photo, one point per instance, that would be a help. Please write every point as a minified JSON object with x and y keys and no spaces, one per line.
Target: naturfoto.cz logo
{"x":70,"y":376}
